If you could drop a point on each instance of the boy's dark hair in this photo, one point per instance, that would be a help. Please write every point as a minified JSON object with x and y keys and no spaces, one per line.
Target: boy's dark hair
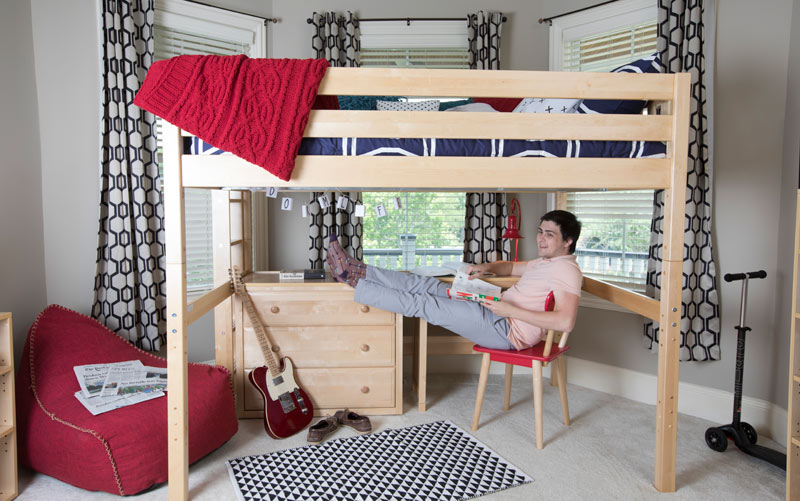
{"x":568,"y":223}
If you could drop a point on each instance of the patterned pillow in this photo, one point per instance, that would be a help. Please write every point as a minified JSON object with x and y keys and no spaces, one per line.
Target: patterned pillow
{"x":362,"y":102}
{"x":540,"y":105}
{"x":446,"y":105}
{"x":651,"y":64}
{"x":431,"y":105}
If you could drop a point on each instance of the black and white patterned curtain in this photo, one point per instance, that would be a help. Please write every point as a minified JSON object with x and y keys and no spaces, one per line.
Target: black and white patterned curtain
{"x":483,"y":32}
{"x":685,"y":43}
{"x":485,"y":223}
{"x":336,"y":38}
{"x":129,"y":290}
{"x":344,"y":222}
{"x":486,"y":212}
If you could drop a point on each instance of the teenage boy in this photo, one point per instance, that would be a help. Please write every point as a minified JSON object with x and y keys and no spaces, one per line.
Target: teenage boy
{"x":517,"y":321}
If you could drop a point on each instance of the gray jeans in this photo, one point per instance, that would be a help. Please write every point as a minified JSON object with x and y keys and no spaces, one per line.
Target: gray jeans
{"x":426,"y":297}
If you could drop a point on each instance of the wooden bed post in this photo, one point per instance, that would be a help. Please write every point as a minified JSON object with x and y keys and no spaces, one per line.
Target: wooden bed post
{"x":671,"y":282}
{"x":177,"y":354}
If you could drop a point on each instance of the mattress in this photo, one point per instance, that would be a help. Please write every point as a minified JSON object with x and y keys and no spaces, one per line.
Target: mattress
{"x":461,"y":148}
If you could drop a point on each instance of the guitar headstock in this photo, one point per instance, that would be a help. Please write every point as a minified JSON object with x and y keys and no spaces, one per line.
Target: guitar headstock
{"x":236,"y":280}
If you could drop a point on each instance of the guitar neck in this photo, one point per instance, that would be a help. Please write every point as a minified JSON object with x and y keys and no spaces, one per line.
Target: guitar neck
{"x":261,"y":334}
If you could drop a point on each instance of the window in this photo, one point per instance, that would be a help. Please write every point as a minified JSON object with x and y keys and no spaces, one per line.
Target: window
{"x":181,"y":28}
{"x":428,"y":228}
{"x":616,"y":225}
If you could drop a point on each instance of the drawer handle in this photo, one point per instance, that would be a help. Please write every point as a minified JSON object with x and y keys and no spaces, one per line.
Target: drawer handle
{"x":274,"y":309}
{"x":364,"y":308}
{"x":365,"y":389}
{"x":364,"y":347}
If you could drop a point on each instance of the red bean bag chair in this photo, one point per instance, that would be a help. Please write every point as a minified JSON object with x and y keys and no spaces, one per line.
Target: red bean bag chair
{"x":123,"y":451}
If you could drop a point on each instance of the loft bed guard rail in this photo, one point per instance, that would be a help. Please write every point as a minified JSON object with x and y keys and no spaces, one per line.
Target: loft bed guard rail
{"x":668,"y":94}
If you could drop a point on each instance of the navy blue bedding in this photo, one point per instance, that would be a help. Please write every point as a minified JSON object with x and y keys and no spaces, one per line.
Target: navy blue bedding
{"x":463,"y":148}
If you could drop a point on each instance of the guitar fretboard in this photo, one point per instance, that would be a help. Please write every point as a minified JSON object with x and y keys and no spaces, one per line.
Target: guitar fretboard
{"x":261,"y":334}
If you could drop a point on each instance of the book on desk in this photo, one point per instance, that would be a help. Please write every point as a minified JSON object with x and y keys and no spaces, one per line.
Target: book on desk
{"x":300,"y":275}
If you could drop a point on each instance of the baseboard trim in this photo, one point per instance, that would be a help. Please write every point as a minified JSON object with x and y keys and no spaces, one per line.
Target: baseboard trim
{"x":700,"y":401}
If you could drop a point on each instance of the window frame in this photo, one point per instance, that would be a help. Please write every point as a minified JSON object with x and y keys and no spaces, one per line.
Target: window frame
{"x":214,"y":22}
{"x":597,"y":20}
{"x":436,"y":34}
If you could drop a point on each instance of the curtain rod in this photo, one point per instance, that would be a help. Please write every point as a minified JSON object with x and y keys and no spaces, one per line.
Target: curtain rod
{"x":549,"y":20}
{"x":266,"y":19}
{"x":408,"y":19}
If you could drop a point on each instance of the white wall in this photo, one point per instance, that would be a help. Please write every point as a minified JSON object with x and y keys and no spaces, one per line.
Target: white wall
{"x":753,"y":161}
{"x":22,"y":263}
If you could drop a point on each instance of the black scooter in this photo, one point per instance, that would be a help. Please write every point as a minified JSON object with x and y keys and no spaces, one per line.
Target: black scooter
{"x":742,"y":434}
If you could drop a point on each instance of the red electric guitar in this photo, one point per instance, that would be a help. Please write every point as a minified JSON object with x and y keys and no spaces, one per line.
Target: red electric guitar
{"x":287,"y":408}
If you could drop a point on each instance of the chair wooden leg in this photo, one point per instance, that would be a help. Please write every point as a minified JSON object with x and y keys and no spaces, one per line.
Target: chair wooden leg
{"x":537,"y":402}
{"x":486,"y":362}
{"x":509,"y":375}
{"x":553,"y":376}
{"x":560,"y":367}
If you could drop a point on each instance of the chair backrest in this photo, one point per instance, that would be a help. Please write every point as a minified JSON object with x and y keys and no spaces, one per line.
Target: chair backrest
{"x":561,"y":337}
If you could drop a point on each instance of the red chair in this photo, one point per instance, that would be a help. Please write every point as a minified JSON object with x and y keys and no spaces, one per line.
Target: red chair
{"x":535,"y":357}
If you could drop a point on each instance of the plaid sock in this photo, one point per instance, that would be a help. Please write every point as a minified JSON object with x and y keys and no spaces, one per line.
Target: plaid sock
{"x":344,"y":268}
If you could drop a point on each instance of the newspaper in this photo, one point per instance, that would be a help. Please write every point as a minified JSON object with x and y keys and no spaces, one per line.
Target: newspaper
{"x":106,"y":387}
{"x":472,"y":290}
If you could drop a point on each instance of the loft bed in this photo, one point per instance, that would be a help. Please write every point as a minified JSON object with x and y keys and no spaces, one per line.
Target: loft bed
{"x":668,"y":120}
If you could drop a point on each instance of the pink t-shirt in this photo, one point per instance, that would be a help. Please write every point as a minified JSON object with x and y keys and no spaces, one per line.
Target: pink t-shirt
{"x":559,"y":274}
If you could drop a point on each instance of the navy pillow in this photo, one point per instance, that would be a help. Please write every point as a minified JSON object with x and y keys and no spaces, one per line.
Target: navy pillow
{"x":363,"y":102}
{"x":446,"y":105}
{"x":651,"y":64}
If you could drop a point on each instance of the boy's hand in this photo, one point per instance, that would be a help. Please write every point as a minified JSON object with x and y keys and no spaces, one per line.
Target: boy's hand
{"x":477,"y":270}
{"x":499,"y":308}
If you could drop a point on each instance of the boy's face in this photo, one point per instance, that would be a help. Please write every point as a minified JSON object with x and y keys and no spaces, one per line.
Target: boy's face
{"x":550,"y":242}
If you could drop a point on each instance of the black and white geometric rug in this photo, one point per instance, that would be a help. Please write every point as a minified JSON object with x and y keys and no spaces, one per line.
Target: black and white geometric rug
{"x":429,"y":461}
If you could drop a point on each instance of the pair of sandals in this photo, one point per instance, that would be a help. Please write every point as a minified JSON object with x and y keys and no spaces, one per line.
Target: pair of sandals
{"x":318,"y":432}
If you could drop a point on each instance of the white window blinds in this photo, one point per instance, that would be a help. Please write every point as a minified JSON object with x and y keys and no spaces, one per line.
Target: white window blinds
{"x":185,"y":28}
{"x":431,"y":44}
{"x":606,"y":51}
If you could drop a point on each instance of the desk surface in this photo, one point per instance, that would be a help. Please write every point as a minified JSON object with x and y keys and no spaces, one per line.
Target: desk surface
{"x":272,"y":278}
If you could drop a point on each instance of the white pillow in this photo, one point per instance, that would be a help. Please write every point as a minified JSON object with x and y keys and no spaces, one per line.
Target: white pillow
{"x":472,"y":107}
{"x":549,"y":105}
{"x":432,"y":105}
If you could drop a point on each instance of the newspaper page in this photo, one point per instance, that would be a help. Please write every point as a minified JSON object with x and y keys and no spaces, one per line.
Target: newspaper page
{"x":92,"y":377}
{"x":98,"y":405}
{"x":105,"y":387}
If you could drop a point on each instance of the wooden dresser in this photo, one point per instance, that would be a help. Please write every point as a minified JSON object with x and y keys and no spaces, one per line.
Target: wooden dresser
{"x":346,"y":355}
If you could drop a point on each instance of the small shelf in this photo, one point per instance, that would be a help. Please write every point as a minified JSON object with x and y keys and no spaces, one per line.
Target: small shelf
{"x":4,"y":369}
{"x":5,"y":430}
{"x":796,"y":379}
{"x":796,"y":441}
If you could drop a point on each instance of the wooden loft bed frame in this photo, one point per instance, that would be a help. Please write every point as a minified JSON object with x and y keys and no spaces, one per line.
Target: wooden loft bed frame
{"x":668,"y":93}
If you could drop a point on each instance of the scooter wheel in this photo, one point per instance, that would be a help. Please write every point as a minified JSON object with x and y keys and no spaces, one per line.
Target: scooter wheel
{"x":716,"y":439}
{"x":749,"y":433}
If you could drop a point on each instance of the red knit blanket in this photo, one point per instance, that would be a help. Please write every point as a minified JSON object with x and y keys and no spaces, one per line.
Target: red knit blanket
{"x":254,"y":108}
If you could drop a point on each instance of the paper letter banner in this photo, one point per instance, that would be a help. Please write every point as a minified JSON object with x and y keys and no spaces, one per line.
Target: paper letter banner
{"x":286,"y":203}
{"x":380,"y":210}
{"x":341,"y":204}
{"x":272,"y":192}
{"x":397,"y":203}
{"x":360,"y":211}
{"x":304,"y":210}
{"x":324,"y":203}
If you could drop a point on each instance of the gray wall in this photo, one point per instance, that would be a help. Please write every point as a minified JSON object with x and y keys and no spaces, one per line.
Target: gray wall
{"x":22,"y":261}
{"x":755,"y":167}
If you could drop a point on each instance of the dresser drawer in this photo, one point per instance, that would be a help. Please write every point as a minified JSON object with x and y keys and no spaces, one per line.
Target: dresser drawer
{"x":347,"y":346}
{"x":337,"y":388}
{"x":299,"y":308}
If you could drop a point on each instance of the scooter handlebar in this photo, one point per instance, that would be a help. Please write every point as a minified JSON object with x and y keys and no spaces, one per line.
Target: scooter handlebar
{"x":732,"y":277}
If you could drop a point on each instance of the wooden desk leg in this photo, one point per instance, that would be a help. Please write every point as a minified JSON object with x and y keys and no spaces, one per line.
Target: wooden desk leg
{"x":422,"y":364}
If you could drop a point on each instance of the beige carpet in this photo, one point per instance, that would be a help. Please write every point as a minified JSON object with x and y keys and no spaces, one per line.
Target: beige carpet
{"x":607,"y":453}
